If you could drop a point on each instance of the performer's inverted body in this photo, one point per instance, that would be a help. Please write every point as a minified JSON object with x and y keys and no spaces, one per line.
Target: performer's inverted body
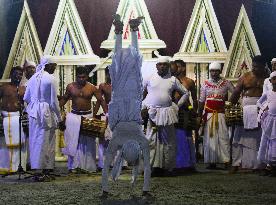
{"x":125,"y":110}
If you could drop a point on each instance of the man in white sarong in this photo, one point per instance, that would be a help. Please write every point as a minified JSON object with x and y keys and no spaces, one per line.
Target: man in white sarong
{"x":125,"y":106}
{"x":162,"y":112}
{"x":44,"y":117}
{"x":80,"y":146}
{"x":213,"y":94}
{"x":247,"y":138}
{"x":267,"y":150}
{"x":11,"y":95}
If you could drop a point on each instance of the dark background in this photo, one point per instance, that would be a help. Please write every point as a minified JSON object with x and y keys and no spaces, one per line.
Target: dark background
{"x":170,"y":19}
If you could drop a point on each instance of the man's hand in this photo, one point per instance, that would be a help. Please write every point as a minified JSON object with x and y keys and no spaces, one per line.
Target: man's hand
{"x":61,"y":126}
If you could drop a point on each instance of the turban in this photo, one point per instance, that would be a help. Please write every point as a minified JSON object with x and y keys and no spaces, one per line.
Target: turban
{"x":273,"y":60}
{"x":163,"y":59}
{"x":44,"y":61}
{"x":215,"y":66}
{"x":273,"y":74}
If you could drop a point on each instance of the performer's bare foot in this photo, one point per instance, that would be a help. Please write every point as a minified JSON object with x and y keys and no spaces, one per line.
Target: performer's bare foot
{"x":233,"y":169}
{"x":134,"y":23}
{"x":147,"y":196}
{"x":119,"y":26}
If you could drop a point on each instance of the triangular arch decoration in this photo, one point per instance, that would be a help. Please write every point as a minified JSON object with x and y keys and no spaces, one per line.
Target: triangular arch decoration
{"x":243,"y":47}
{"x":203,"y":41}
{"x":148,"y":39}
{"x":67,"y":40}
{"x":26,"y":44}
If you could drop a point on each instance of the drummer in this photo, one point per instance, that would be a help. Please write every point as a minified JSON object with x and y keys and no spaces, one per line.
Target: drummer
{"x":80,"y":148}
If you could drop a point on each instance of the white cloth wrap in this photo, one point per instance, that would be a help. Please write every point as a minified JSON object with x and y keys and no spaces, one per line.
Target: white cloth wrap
{"x":11,"y":128}
{"x":250,"y":112}
{"x":163,"y":116}
{"x":216,"y":147}
{"x":72,"y":132}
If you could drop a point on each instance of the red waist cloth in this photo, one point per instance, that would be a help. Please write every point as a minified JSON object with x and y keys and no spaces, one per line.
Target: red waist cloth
{"x":212,"y":106}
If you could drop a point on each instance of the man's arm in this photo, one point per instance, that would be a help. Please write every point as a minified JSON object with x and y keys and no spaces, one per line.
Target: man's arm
{"x":54,"y":100}
{"x":99,"y":98}
{"x":98,"y":103}
{"x":182,"y":90}
{"x":201,"y":101}
{"x":237,"y":92}
{"x":65,"y":97}
{"x":194,"y":95}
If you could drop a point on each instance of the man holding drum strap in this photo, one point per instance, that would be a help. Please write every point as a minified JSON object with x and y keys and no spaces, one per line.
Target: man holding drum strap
{"x":213,"y":95}
{"x":80,"y":147}
{"x":247,"y":138}
{"x":10,"y":95}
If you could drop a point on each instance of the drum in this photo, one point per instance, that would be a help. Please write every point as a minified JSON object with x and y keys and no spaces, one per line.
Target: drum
{"x":93,"y":127}
{"x":233,"y":115}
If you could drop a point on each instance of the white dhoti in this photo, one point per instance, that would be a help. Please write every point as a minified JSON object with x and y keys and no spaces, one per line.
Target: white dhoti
{"x":216,"y":140}
{"x":246,"y":142}
{"x":162,"y":137}
{"x":80,"y":148}
{"x":10,"y":143}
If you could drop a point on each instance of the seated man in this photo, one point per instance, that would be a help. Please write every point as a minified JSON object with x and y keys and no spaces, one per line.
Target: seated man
{"x":125,"y":105}
{"x":80,"y":147}
{"x":11,"y":95}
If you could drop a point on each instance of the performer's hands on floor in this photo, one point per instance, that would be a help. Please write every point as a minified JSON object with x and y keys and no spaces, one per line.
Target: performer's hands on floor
{"x":104,"y":195}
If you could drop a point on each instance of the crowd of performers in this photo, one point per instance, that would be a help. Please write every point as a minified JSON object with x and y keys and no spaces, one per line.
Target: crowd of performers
{"x":165,"y":104}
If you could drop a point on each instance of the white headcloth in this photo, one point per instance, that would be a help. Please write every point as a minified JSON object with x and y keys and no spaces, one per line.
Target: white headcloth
{"x":47,"y":59}
{"x":215,"y":66}
{"x":273,"y":60}
{"x":273,"y":74}
{"x":163,"y":59}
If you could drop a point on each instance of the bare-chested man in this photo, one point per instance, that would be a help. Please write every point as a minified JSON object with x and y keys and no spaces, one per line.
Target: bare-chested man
{"x":247,"y":138}
{"x":105,"y":90}
{"x":11,"y":95}
{"x":185,"y":157}
{"x":80,"y":148}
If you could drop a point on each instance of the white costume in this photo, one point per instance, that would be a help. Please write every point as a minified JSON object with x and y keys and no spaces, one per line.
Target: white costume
{"x":9,"y":145}
{"x":247,"y":138}
{"x":164,"y":113}
{"x":267,"y":150}
{"x":216,"y":140}
{"x":44,"y":115}
{"x":80,"y":148}
{"x":125,"y":107}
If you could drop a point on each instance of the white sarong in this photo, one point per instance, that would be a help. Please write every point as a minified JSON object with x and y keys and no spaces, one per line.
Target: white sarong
{"x":10,"y":146}
{"x":246,"y":142}
{"x":162,"y":138}
{"x":80,"y":148}
{"x":217,"y":146}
